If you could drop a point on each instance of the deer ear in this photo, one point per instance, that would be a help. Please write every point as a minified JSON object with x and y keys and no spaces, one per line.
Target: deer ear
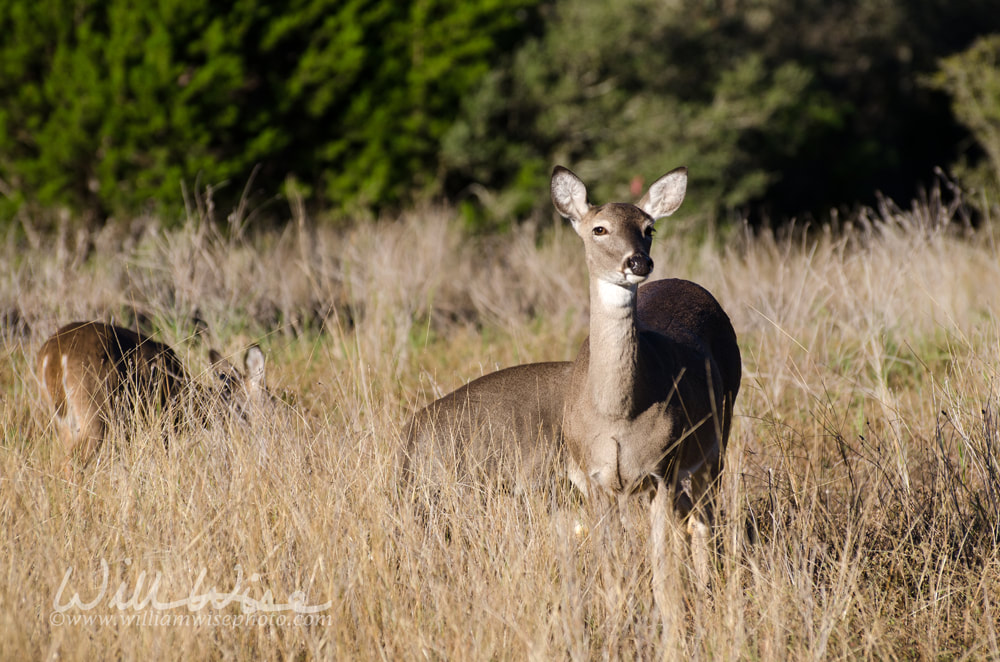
{"x":224,"y":370}
{"x":254,"y":364}
{"x":569,"y":195}
{"x":666,"y":194}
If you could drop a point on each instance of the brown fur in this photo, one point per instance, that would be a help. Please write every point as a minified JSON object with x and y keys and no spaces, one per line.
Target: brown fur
{"x":509,"y":421}
{"x":92,"y":374}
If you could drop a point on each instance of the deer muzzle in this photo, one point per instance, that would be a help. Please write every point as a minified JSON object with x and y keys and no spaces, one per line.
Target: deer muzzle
{"x":639,"y":264}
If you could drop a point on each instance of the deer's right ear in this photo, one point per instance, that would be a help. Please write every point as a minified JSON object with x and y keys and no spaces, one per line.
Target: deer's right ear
{"x":569,"y":195}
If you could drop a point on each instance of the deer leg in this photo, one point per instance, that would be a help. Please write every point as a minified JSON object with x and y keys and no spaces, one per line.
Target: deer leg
{"x":82,"y":446}
{"x":663,"y":548}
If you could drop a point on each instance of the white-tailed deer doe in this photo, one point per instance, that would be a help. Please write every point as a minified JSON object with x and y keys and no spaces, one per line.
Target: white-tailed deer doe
{"x":93,"y":374}
{"x":652,"y":392}
{"x":648,"y":402}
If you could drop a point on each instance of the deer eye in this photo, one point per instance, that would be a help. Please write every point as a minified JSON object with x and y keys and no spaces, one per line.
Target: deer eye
{"x":650,"y":231}
{"x":600,"y":231}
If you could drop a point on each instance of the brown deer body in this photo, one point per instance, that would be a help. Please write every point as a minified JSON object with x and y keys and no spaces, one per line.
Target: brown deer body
{"x":507,"y":421}
{"x":92,"y":374}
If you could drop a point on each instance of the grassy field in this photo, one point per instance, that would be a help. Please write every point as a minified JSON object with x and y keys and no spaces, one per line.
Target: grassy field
{"x":859,"y":505}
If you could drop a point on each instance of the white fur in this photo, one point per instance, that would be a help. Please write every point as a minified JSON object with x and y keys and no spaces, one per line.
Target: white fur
{"x":612,"y":295}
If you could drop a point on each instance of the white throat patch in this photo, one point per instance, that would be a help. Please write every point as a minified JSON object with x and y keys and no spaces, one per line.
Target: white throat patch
{"x":614,"y":296}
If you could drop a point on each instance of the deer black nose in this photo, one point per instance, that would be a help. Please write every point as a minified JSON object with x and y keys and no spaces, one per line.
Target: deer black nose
{"x":639,"y":264}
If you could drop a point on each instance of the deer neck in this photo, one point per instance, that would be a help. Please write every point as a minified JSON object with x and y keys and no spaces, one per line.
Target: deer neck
{"x":614,"y":349}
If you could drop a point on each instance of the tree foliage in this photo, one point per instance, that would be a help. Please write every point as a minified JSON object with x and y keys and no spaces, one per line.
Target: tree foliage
{"x":112,"y":105}
{"x":778,"y":107}
{"x":972,"y":79}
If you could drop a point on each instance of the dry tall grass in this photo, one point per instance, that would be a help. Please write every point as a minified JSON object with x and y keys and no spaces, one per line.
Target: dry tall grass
{"x":860,"y":500}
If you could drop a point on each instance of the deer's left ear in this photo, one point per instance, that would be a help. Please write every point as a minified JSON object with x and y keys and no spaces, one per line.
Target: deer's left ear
{"x":666,"y":194}
{"x":569,"y":195}
{"x":224,"y":370}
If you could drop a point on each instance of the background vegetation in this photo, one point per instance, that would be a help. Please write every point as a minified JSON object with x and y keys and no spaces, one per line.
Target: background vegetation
{"x":861,"y":494}
{"x":860,"y":497}
{"x":112,"y":106}
{"x":781,"y":107}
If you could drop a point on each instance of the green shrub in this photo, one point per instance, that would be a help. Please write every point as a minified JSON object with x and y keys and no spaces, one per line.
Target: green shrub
{"x":111,"y":106}
{"x":972,"y":79}
{"x":778,"y":107}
